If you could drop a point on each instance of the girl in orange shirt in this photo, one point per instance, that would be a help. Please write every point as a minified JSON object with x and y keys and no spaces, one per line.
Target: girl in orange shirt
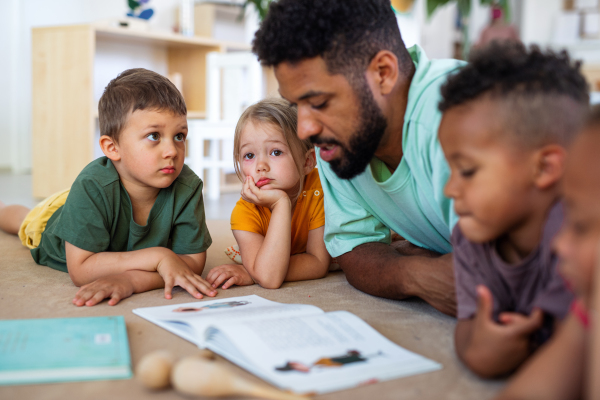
{"x":279,"y":221}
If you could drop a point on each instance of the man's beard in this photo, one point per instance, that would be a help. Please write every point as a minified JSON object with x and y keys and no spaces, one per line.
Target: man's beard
{"x":363,"y":141}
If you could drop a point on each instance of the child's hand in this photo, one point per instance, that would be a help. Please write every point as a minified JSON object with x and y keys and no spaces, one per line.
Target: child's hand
{"x":175,"y":272}
{"x":506,"y":343}
{"x":263,"y":197}
{"x":117,"y":287}
{"x":233,"y":274}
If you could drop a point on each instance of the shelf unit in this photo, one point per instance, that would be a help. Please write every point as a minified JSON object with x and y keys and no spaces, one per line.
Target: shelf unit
{"x":67,"y":84}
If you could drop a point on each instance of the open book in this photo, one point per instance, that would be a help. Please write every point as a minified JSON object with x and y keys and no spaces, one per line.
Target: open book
{"x":293,"y":346}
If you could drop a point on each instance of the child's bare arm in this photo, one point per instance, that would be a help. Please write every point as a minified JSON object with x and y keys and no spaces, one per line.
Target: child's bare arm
{"x":491,"y":349}
{"x":229,"y":275}
{"x":117,"y":287}
{"x":182,"y":270}
{"x":556,"y":371}
{"x":313,"y":264}
{"x":266,"y":258}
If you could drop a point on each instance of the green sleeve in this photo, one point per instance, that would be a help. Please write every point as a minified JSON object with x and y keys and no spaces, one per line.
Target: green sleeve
{"x":347,"y":223}
{"x":84,"y":220}
{"x":189,"y":234}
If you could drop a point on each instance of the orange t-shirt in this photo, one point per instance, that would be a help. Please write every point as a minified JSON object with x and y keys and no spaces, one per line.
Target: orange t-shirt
{"x":309,"y":214}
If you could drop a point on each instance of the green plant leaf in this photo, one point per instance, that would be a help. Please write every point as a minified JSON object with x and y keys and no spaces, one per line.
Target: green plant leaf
{"x":133,"y":4}
{"x":261,"y":6}
{"x":464,"y":6}
{"x":432,"y":5}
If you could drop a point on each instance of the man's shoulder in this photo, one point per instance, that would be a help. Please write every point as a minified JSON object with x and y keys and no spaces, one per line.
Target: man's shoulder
{"x":424,"y":92}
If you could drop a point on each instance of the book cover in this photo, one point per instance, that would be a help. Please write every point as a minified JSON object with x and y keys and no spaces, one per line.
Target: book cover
{"x":63,"y":349}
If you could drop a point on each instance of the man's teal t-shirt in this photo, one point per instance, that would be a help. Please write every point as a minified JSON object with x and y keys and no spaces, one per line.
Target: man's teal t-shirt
{"x":410,"y":201}
{"x":98,"y":217}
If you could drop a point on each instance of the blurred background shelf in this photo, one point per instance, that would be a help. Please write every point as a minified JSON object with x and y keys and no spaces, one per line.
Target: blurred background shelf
{"x":71,"y":65}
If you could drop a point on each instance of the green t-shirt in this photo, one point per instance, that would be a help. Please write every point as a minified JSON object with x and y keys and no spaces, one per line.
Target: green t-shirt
{"x":98,"y":217}
{"x":410,"y":201}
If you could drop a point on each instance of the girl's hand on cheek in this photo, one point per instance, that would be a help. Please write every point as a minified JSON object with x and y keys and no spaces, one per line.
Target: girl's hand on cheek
{"x":263,"y":197}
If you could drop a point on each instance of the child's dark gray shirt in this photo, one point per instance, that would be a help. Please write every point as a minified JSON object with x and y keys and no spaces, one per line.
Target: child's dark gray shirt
{"x":533,"y":282}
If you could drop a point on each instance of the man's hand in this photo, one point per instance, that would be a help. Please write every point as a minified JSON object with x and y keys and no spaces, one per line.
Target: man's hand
{"x":117,"y":287}
{"x":263,"y":197}
{"x":175,"y":272}
{"x":231,"y":274}
{"x":434,"y":282}
{"x":498,"y":348}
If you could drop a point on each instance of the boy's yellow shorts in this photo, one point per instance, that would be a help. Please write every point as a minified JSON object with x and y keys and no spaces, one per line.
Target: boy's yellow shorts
{"x":35,"y":222}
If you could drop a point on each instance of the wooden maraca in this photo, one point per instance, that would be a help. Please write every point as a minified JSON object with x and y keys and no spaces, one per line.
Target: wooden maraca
{"x":200,"y":377}
{"x":154,"y":369}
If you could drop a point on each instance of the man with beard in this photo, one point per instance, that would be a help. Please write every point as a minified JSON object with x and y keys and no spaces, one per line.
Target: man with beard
{"x":371,"y":107}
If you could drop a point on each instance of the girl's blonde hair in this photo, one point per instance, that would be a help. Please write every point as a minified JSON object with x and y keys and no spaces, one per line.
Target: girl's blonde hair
{"x":277,"y":112}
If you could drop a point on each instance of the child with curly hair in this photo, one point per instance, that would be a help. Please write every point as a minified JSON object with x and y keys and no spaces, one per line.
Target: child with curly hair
{"x":508,"y":117}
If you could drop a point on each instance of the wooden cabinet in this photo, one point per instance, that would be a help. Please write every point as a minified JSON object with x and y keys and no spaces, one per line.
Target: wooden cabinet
{"x":67,"y":85}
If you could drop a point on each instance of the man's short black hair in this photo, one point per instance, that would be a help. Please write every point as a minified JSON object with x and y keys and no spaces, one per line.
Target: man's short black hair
{"x":346,"y":33}
{"x":543,"y":93}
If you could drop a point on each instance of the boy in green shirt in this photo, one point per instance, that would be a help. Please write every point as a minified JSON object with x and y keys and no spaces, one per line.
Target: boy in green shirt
{"x":133,"y":220}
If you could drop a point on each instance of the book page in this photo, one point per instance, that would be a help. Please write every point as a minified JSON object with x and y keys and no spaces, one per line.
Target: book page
{"x":319,"y":353}
{"x":190,"y":320}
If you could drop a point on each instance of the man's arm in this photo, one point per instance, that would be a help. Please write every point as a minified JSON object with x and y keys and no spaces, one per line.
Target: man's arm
{"x":380,"y":270}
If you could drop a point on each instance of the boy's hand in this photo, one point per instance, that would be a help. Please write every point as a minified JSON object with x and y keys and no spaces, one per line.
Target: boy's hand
{"x":505,"y":344}
{"x":117,"y":287}
{"x":231,"y":274}
{"x":175,"y":272}
{"x":264,"y":198}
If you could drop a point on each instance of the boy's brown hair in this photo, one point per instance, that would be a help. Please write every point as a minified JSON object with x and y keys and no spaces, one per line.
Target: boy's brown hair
{"x":136,"y":89}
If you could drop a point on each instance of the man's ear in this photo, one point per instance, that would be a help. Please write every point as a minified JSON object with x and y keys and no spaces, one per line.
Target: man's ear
{"x":383,"y":70}
{"x":110,"y":148}
{"x":550,"y":165}
{"x":310,"y":161}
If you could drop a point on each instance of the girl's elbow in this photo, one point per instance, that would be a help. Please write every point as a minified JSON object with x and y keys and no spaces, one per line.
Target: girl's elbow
{"x":268,"y":281}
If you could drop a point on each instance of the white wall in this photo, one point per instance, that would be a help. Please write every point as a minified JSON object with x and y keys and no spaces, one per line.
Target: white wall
{"x":431,"y":34}
{"x":537,"y":20}
{"x":436,"y":34}
{"x":17,"y":17}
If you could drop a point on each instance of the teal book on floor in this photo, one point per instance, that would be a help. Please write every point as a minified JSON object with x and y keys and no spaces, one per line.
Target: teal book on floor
{"x":63,"y":349}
